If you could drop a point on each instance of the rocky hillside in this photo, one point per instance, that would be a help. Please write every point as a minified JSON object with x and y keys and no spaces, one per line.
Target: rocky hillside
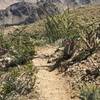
{"x":14,"y":12}
{"x":26,"y":12}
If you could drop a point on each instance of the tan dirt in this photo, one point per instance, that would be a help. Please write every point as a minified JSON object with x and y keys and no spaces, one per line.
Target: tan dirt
{"x":52,"y":86}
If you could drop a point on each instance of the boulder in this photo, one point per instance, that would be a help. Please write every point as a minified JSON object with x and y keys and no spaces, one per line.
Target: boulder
{"x":26,"y":12}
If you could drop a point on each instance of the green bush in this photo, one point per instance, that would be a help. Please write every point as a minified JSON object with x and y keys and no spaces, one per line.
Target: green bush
{"x":18,"y":82}
{"x":71,"y":26}
{"x":19,"y":45}
{"x":62,"y":26}
{"x":22,"y":46}
{"x":90,"y":92}
{"x":4,"y":43}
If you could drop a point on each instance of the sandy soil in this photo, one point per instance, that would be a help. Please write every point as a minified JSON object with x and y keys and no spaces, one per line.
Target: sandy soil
{"x":52,"y":86}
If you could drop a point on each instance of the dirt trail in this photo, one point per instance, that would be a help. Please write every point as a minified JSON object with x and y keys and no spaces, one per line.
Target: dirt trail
{"x":52,"y":86}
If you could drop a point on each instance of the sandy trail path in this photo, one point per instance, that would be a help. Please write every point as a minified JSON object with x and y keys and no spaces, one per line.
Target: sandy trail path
{"x":52,"y":86}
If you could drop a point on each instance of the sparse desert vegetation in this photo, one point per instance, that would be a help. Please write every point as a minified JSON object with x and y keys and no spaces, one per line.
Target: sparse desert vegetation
{"x":67,"y":44}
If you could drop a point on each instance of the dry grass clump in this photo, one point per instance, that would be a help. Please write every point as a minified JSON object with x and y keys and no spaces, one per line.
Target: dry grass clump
{"x":18,"y":82}
{"x":90,"y":91}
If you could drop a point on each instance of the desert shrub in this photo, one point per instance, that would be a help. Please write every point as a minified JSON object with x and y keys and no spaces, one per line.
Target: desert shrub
{"x":61,"y":26}
{"x":22,"y":46}
{"x":39,"y":39}
{"x":17,"y":82}
{"x":71,"y":26}
{"x":88,"y":33}
{"x":78,"y":34}
{"x":4,"y":43}
{"x":19,"y":45}
{"x":90,"y":91}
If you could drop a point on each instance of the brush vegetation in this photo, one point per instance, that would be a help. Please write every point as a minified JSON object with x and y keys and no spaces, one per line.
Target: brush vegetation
{"x":19,"y":46}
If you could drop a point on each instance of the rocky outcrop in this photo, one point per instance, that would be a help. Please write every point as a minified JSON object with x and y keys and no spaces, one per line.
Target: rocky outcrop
{"x":28,"y":12}
{"x":25,"y":12}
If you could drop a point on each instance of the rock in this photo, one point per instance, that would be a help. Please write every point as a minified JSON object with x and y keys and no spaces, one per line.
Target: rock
{"x":26,"y":12}
{"x":5,"y":61}
{"x":3,"y":51}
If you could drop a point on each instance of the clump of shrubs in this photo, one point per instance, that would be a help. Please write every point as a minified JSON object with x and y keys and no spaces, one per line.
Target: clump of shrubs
{"x":17,"y":82}
{"x":19,"y":48}
{"x":90,"y":91}
{"x":61,"y":26}
{"x":86,"y":33}
{"x":69,"y":27}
